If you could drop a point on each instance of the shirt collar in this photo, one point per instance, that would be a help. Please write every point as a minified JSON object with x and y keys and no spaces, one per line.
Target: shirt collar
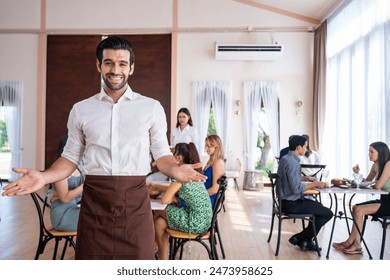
{"x":294,"y":156}
{"x":186,"y":128}
{"x":129,"y":94}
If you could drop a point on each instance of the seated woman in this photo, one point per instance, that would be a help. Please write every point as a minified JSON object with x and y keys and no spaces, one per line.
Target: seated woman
{"x":310,"y":157}
{"x":378,"y":153}
{"x":215,"y":166}
{"x":66,"y":195}
{"x":195,"y":217}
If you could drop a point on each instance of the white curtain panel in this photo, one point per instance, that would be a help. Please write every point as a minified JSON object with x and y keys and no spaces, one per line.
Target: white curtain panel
{"x":217,"y":93}
{"x":254,"y":93}
{"x":358,"y":87}
{"x":11,"y":100}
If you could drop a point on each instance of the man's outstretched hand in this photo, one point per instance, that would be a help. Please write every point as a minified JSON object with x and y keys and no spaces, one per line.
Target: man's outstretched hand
{"x":31,"y":181}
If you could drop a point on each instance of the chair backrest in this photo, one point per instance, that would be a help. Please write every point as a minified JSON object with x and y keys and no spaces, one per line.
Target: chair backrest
{"x":223,"y":182}
{"x":233,"y":163}
{"x":276,"y":201}
{"x":42,"y":204}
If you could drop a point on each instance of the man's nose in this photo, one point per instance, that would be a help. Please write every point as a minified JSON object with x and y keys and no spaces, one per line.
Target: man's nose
{"x":114,"y":68}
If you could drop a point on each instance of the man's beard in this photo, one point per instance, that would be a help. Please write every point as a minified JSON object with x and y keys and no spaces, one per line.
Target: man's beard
{"x":115,"y":86}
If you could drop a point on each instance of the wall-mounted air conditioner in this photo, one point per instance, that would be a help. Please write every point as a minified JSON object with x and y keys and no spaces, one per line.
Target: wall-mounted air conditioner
{"x":248,"y":52}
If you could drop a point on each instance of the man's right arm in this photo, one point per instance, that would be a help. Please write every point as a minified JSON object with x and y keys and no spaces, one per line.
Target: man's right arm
{"x":33,"y":180}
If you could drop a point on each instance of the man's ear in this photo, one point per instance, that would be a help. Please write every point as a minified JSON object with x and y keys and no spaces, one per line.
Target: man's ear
{"x":131,"y":69}
{"x":98,"y":66}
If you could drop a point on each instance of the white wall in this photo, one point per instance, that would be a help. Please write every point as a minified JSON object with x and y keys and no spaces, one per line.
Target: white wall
{"x":195,"y":57}
{"x":18,"y":57}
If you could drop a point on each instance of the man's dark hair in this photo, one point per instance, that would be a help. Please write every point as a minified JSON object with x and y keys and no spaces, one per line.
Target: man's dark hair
{"x":114,"y":43}
{"x":295,"y":141}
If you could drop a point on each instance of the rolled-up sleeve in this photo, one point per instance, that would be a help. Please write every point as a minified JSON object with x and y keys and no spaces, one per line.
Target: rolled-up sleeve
{"x":75,"y":145}
{"x":158,"y":134}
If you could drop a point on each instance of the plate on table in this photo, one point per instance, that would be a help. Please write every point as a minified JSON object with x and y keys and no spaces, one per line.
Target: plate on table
{"x":366,"y":184}
{"x":343,"y":186}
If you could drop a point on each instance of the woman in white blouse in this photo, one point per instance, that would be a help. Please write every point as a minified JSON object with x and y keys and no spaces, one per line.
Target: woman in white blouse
{"x":184,"y":132}
{"x":310,"y":157}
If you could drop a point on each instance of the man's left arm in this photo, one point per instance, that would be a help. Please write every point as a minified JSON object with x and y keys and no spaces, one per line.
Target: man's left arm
{"x":183,"y":173}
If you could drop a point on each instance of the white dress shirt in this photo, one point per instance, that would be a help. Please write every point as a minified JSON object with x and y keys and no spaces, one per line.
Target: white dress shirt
{"x":314,"y":158}
{"x":187,"y":135}
{"x":117,"y":138}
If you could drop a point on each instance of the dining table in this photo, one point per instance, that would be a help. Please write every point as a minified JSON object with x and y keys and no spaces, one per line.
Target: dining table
{"x":347,"y":192}
{"x":155,"y":203}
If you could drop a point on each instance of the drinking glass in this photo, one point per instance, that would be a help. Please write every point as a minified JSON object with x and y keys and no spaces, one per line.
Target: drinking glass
{"x":325,"y":174}
{"x":357,"y":178}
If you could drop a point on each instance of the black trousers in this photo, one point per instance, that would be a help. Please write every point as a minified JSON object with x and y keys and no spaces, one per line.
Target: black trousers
{"x":304,"y":206}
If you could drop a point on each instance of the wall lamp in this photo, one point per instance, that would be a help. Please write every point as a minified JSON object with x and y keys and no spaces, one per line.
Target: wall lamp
{"x":238,"y":103}
{"x":298,"y":104}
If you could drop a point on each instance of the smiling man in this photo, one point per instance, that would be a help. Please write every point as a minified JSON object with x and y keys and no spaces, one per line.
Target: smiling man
{"x":116,"y":129}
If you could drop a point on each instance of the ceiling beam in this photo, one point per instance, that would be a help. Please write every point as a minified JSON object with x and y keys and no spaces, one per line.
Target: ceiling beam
{"x":279,"y":11}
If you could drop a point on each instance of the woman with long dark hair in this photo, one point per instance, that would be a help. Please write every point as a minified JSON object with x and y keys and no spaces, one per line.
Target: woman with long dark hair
{"x":195,"y":217}
{"x":184,"y":132}
{"x":379,"y":153}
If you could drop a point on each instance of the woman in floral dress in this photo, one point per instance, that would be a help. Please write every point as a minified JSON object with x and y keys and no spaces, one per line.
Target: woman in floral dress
{"x":189,"y":206}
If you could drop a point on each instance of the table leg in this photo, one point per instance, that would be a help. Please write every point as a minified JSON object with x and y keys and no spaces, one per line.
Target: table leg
{"x":334,"y":222}
{"x":345,"y":210}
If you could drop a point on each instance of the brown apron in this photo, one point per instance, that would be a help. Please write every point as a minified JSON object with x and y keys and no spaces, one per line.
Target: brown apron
{"x":115,"y":219}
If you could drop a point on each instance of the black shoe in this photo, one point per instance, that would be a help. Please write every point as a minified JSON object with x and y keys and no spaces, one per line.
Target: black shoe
{"x":311,"y":246}
{"x":295,"y":241}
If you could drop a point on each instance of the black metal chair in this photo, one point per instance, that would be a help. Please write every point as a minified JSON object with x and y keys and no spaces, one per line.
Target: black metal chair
{"x":47,"y":233}
{"x":316,"y":194}
{"x":277,"y":212}
{"x":177,"y":239}
{"x":385,"y":221}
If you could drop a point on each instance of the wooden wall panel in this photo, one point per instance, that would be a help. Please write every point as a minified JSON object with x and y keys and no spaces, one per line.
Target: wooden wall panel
{"x":72,"y":76}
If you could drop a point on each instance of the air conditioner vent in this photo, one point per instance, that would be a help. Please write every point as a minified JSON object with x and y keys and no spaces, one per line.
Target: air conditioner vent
{"x":248,"y":52}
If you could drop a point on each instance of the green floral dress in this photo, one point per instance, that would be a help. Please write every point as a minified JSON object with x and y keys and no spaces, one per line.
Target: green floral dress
{"x":196,"y":216}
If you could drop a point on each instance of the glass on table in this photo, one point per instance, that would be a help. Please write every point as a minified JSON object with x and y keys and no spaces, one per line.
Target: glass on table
{"x":324,"y":175}
{"x":358,"y":179}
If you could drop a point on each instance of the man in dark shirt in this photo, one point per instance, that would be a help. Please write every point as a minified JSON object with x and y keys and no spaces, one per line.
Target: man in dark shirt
{"x":291,"y":189}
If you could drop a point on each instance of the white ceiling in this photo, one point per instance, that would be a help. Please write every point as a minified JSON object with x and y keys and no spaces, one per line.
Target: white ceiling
{"x":316,"y":9}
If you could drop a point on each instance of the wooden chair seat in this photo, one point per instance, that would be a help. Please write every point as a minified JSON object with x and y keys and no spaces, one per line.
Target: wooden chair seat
{"x":61,"y":233}
{"x":183,"y":235}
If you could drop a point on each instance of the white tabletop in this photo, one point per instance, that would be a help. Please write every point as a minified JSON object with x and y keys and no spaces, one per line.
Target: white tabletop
{"x":157,"y":205}
{"x":350,"y":190}
{"x":160,"y":183}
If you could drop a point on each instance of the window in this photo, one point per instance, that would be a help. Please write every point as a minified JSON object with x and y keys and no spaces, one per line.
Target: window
{"x":211,"y":130}
{"x":215,"y":97}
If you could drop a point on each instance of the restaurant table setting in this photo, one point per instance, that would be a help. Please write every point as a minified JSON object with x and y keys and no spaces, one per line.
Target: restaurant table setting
{"x":347,"y":187}
{"x":155,"y":191}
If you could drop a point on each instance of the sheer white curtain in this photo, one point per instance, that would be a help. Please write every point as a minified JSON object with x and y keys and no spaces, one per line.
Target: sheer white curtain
{"x":256,"y":92}
{"x":217,"y":93}
{"x":358,"y":75}
{"x":11,"y":101}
